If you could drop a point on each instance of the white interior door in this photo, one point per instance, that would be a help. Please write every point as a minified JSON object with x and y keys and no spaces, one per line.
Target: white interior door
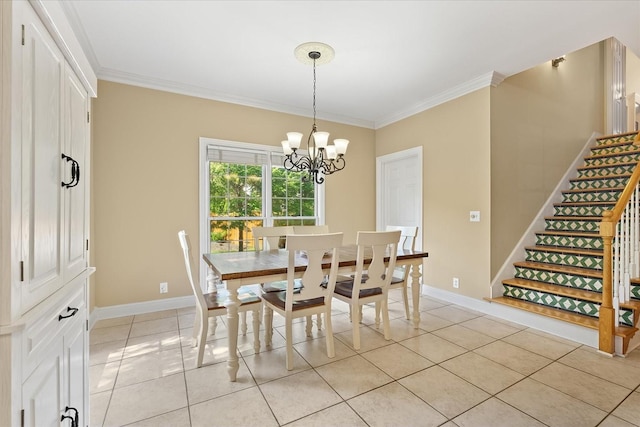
{"x":399,"y":190}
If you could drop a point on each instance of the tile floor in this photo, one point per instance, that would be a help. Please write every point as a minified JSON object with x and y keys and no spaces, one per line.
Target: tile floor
{"x":461,"y":368}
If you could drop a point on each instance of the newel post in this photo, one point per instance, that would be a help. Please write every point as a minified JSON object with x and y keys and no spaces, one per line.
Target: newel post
{"x":606,"y":325}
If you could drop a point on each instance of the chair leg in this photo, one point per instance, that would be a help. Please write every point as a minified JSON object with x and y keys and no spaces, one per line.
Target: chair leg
{"x":289,"y":338}
{"x":202,"y":340}
{"x":213,"y":325}
{"x":255,"y":316}
{"x":319,"y":320}
{"x":197,"y":322}
{"x":406,"y":300}
{"x":385,"y":319}
{"x":355,"y":326}
{"x":309,"y":326}
{"x":331,"y":352}
{"x":268,"y":326}
{"x":377,"y":319}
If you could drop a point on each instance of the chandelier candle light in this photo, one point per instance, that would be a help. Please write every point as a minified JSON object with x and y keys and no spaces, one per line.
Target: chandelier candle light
{"x":322,"y":158}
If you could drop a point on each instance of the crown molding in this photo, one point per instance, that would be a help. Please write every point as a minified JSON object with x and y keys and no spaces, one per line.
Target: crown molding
{"x":490,"y":79}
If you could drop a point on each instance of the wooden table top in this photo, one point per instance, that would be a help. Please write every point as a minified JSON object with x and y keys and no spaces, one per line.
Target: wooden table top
{"x":240,"y":265}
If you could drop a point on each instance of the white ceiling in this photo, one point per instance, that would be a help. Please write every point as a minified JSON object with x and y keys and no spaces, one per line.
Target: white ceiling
{"x":393,"y":58}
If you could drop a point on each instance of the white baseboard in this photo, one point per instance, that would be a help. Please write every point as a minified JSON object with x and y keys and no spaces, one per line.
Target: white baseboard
{"x":582,"y":335}
{"x":100,"y":313}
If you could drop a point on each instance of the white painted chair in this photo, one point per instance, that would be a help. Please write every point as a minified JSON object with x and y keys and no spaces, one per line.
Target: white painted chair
{"x":270,"y":237}
{"x":370,"y":285}
{"x":308,"y":295}
{"x":310,"y":229}
{"x":400,"y":278}
{"x":212,"y":304}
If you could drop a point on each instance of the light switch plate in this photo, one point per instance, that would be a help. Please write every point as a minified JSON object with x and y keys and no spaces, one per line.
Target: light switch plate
{"x":474,"y":216}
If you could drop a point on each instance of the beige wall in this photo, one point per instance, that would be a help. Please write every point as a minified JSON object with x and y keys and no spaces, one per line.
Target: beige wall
{"x":456,"y":179}
{"x":145,"y":182}
{"x":540,"y":120}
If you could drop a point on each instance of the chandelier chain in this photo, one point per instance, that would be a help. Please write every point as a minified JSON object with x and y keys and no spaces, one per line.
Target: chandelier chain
{"x":314,"y":93}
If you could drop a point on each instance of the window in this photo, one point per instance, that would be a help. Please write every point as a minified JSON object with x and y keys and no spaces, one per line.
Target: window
{"x":244,"y":186}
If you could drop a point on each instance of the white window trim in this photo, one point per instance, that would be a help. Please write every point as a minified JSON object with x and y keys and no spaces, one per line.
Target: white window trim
{"x":203,"y":180}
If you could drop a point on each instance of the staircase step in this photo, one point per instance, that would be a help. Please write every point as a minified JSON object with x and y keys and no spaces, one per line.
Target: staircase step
{"x":612,"y":158}
{"x":584,"y":258}
{"x":560,"y":297}
{"x":598,"y":170}
{"x":592,"y":183}
{"x":582,"y":209}
{"x":569,"y":239}
{"x":576,"y":319}
{"x":635,"y":288}
{"x":575,"y":277}
{"x":618,"y":147}
{"x":595,"y":195}
{"x":589,"y":224}
{"x":617,"y":138}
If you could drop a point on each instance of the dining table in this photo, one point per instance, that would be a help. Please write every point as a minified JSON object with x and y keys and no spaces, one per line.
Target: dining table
{"x":237,"y":269}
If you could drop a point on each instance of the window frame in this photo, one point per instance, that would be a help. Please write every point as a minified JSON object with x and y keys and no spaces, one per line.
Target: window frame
{"x":203,"y":180}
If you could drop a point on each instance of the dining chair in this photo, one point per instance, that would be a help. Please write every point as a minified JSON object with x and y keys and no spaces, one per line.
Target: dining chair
{"x":370,"y":285}
{"x":310,"y":229}
{"x":211,"y":305}
{"x":270,"y":237}
{"x":309,"y":294}
{"x":400,"y":277}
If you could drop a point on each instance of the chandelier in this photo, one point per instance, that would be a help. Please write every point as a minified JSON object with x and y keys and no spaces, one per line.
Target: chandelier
{"x":322,"y":158}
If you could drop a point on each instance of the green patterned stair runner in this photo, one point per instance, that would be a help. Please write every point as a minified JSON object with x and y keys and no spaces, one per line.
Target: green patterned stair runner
{"x":568,"y":239}
{"x":573,"y":223}
{"x":572,"y":277}
{"x":582,"y":209}
{"x":617,"y":181}
{"x":614,"y":139}
{"x":596,"y":195}
{"x":573,"y":300}
{"x":583,"y":258}
{"x":617,"y":169}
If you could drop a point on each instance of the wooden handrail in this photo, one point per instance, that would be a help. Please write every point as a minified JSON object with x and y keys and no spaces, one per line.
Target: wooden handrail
{"x":610,"y":218}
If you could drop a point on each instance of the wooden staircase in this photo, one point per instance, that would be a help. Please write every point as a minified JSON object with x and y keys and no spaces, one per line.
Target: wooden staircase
{"x":561,"y":276}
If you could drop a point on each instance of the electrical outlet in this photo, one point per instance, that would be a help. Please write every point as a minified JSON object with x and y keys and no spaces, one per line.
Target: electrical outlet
{"x":474,"y":216}
{"x":456,"y":282}
{"x":164,"y":287}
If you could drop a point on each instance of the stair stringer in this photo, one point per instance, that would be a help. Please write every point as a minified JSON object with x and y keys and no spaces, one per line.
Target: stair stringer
{"x":528,"y":238}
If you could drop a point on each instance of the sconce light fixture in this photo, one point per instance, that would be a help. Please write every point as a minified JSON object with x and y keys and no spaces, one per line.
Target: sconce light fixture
{"x":556,"y":62}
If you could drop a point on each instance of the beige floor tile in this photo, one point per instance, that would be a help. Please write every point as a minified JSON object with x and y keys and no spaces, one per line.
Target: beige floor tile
{"x":186,"y":310}
{"x":396,"y":360}
{"x":214,"y":352}
{"x":117,"y":321}
{"x":495,"y":413}
{"x":463,"y":337}
{"x":315,"y":351}
{"x":271,"y":365}
{"x":209,"y":382}
{"x":629,"y":409}
{"x":151,"y":343}
{"x":482,"y":372}
{"x":150,"y":327}
{"x":311,"y":393}
{"x":554,"y":337}
{"x":369,"y":339}
{"x":513,"y":357}
{"x":299,"y":332}
{"x":539,"y":344}
{"x":154,"y":315}
{"x":614,"y":369}
{"x":243,"y":408}
{"x":429,"y":303}
{"x":149,"y":366}
{"x":107,"y":352}
{"x":613,"y":421}
{"x":340,"y":415}
{"x":109,"y":333}
{"x":98,"y":404}
{"x":433,"y":348}
{"x":429,"y":322}
{"x":145,"y":400}
{"x":186,"y":320}
{"x":454,"y":314}
{"x":450,"y":424}
{"x":551,"y":406}
{"x":179,"y":418}
{"x":393,"y":405}
{"x":447,"y":393}
{"x":103,"y":377}
{"x":581,"y":385}
{"x":490,"y":327}
{"x":402,"y":329}
{"x":353,"y":376}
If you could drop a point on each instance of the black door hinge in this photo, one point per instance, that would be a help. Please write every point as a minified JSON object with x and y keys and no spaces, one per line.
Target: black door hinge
{"x":22,"y":271}
{"x":22,"y":34}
